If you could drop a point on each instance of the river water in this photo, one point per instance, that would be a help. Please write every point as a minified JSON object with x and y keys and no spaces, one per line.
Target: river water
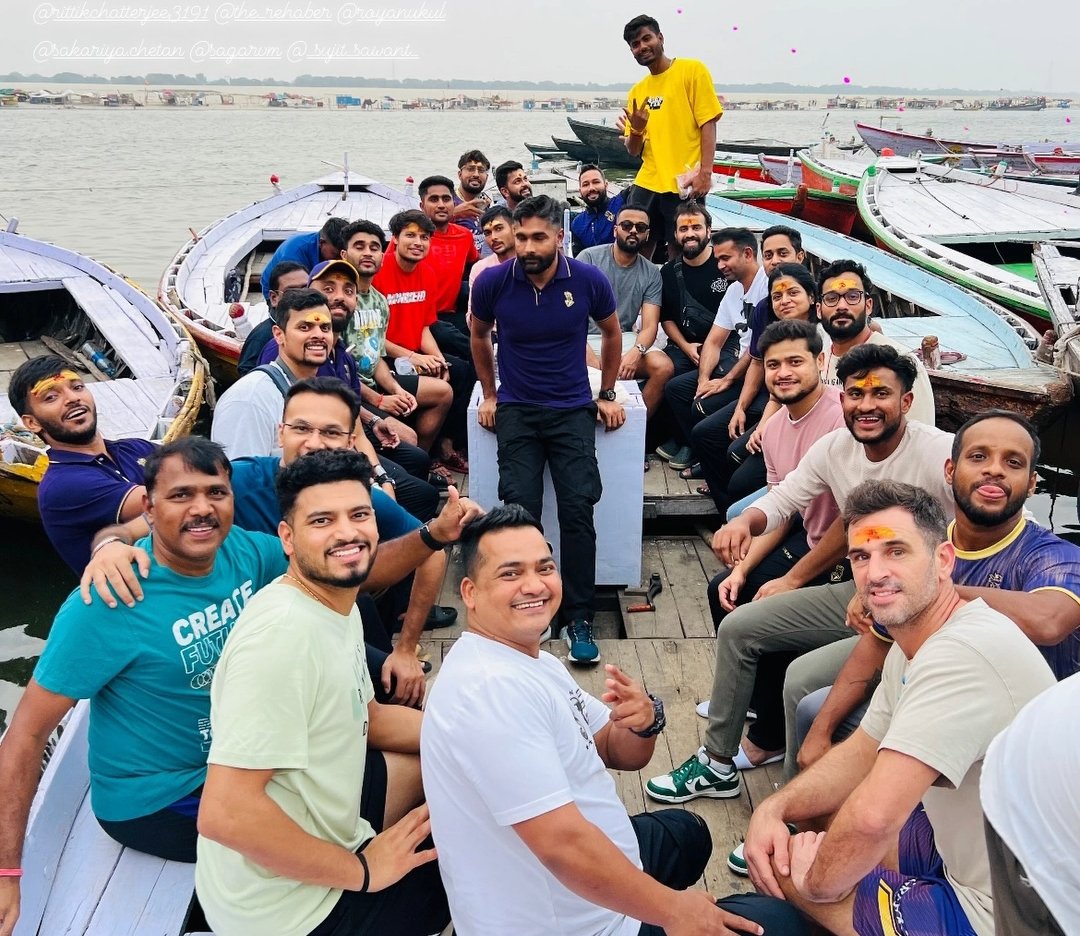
{"x":125,"y":185}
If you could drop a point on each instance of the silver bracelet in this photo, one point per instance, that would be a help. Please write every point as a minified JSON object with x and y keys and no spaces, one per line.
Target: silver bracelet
{"x":105,"y":542}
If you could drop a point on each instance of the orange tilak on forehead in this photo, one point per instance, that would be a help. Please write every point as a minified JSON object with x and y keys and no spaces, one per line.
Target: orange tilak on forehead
{"x":316,"y":318}
{"x":843,"y":284}
{"x":869,"y":382}
{"x":869,"y":534}
{"x":783,"y":284}
{"x":48,"y":383}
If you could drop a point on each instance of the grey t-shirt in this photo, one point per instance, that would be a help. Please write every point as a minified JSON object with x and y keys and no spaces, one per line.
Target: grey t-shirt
{"x":633,"y":285}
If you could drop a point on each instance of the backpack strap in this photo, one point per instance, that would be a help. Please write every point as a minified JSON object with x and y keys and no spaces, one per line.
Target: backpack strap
{"x":276,"y":374}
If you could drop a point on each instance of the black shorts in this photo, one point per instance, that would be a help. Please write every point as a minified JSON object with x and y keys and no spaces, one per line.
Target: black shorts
{"x":660,"y":207}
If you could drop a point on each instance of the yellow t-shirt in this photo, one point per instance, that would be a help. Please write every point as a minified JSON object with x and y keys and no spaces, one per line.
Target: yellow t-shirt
{"x":680,"y":101}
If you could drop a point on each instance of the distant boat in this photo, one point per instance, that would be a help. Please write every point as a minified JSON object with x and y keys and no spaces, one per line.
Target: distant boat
{"x":908,"y":144}
{"x":988,"y":358}
{"x":743,"y":166}
{"x":223,"y":263}
{"x":975,"y":231}
{"x":147,"y":378}
{"x":783,"y":170}
{"x":830,"y":210}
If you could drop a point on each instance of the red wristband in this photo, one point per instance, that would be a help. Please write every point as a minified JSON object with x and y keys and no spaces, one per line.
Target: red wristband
{"x":379,"y":404}
{"x":11,"y":872}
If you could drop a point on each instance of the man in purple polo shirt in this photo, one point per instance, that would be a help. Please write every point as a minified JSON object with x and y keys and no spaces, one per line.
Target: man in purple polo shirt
{"x":544,"y":410}
{"x":91,"y":481}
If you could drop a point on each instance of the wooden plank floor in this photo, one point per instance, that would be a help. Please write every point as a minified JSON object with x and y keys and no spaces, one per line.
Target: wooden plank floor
{"x":671,"y":653}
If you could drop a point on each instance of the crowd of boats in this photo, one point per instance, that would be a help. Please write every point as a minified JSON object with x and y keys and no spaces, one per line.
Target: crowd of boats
{"x":966,"y":245}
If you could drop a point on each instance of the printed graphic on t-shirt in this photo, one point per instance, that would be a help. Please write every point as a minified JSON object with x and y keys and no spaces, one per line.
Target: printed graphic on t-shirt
{"x":654,"y":103}
{"x":419,"y":295}
{"x":577,"y":705}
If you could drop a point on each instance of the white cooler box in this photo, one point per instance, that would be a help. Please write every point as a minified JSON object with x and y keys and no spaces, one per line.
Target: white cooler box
{"x":620,"y":455}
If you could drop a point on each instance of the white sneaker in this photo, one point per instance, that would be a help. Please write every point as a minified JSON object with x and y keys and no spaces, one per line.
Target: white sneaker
{"x":703,"y":709}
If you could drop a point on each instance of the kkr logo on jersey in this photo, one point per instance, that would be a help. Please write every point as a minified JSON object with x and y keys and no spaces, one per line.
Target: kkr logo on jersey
{"x":994,"y":580}
{"x":654,"y":103}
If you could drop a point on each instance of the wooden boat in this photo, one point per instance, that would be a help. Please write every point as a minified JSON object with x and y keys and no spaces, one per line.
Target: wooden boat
{"x":832,"y":210}
{"x":1059,"y":281}
{"x":974,"y":231}
{"x":760,"y":145}
{"x":743,"y":167}
{"x":997,"y":365}
{"x":545,"y":151}
{"x":908,"y":144}
{"x":782,"y":170}
{"x":832,"y":173}
{"x":147,"y":377}
{"x":605,"y":143}
{"x":238,"y":247}
{"x":77,"y":880}
{"x":1057,"y":163}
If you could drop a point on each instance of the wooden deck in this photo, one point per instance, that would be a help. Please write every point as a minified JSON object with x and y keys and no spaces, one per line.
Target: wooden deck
{"x":671,"y":653}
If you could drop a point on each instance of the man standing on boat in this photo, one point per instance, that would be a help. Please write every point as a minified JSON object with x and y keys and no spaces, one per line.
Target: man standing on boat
{"x":450,"y":256}
{"x":309,"y":250}
{"x":670,"y":122}
{"x":596,"y":224}
{"x":91,"y":481}
{"x":904,"y":851}
{"x":309,"y":821}
{"x":543,"y":411}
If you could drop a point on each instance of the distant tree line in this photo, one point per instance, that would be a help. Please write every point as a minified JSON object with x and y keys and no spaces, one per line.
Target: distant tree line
{"x":458,"y":84}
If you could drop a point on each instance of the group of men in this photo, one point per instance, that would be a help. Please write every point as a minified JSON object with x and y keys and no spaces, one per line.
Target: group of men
{"x":292,"y":763}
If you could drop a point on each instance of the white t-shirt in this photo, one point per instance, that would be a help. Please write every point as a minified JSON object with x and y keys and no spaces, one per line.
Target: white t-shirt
{"x":943,"y":707}
{"x":506,"y":738}
{"x":737,"y":304}
{"x":1030,"y":796}
{"x":247,"y":417}
{"x":922,"y":394}
{"x":290,"y":694}
{"x":838,"y":463}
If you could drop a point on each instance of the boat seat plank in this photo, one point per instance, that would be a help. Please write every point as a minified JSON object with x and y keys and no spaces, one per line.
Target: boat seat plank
{"x":144,"y":895}
{"x":122,"y":412}
{"x":83,"y":873}
{"x":11,"y":356}
{"x":138,"y":350}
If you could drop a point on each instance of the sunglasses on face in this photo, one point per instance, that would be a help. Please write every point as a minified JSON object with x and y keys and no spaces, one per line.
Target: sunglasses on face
{"x":640,"y":226}
{"x":851,"y":297}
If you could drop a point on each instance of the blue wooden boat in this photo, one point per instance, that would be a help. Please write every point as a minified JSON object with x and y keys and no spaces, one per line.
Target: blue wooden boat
{"x":997,"y":365}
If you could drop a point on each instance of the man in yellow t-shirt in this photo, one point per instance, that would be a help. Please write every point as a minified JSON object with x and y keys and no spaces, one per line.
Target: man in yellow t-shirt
{"x":670,"y":121}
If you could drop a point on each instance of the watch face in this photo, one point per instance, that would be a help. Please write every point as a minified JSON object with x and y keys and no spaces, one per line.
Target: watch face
{"x":607,"y":395}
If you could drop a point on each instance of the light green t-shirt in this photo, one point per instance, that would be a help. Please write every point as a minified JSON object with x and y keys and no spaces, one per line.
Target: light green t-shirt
{"x":290,"y":694}
{"x":365,"y":332}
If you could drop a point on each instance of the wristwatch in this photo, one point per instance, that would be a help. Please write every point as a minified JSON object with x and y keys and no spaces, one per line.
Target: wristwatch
{"x":606,"y":395}
{"x":380,"y":477}
{"x":640,"y":348}
{"x":659,"y":722}
{"x":429,"y":540}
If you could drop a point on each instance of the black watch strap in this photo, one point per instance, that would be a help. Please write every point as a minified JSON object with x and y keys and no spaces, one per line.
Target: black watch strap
{"x":659,"y":721}
{"x":428,"y":540}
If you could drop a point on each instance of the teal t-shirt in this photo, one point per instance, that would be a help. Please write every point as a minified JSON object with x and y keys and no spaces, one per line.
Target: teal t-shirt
{"x":146,"y":671}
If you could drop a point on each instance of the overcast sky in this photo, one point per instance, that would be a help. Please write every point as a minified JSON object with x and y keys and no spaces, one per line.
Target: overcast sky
{"x":914,"y":43}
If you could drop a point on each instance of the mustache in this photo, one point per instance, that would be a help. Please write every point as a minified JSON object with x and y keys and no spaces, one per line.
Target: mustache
{"x":209,"y":520}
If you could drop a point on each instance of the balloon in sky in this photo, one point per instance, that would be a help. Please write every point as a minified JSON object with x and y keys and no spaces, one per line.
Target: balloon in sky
{"x":847,"y":79}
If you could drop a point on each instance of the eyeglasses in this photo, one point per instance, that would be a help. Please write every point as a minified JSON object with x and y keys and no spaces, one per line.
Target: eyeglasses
{"x":330,"y":433}
{"x":640,"y":226}
{"x":851,"y":297}
{"x":470,"y":168}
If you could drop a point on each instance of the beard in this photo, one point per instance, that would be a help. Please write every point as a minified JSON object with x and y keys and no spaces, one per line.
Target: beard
{"x":693,"y":248}
{"x":58,"y":432}
{"x":914,"y":602}
{"x":597,"y":199}
{"x":473,"y":186}
{"x":630,"y":247}
{"x":538,"y":263}
{"x":982,"y":517}
{"x":796,"y":394}
{"x":348,"y":578}
{"x":843,"y":331}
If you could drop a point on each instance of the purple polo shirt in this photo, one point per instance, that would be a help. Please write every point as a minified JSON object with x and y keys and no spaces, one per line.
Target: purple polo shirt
{"x":80,"y":494}
{"x":542,"y":332}
{"x":340,"y":364}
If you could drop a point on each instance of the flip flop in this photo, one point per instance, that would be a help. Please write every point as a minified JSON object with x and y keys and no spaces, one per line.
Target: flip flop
{"x":742,"y":762}
{"x":703,"y":489}
{"x":693,"y":473}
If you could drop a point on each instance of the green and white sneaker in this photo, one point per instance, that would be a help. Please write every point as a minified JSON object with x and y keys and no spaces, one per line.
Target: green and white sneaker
{"x":693,"y":779}
{"x":736,"y":861}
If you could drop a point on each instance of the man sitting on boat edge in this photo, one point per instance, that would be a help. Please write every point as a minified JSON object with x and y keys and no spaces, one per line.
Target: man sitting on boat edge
{"x":309,"y":821}
{"x":92,"y":481}
{"x":308,"y":249}
{"x":285,"y":275}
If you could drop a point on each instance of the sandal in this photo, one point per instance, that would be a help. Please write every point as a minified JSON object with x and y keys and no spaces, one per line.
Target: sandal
{"x":440,"y":476}
{"x":704,"y":490}
{"x":455,"y":461}
{"x":693,"y":473}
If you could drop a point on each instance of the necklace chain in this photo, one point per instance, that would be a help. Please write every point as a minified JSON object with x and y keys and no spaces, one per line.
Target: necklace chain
{"x":303,"y":585}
